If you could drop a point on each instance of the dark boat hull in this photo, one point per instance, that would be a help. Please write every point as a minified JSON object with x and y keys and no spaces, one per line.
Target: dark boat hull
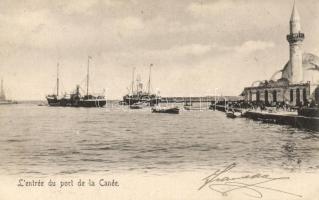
{"x":92,"y":103}
{"x":151,"y":100}
{"x":76,"y":103}
{"x":53,"y":101}
{"x":233,"y":114}
{"x":166,"y":110}
{"x":134,"y":107}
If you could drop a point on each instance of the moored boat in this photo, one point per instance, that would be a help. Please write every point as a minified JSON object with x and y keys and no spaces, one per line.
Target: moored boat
{"x":138,"y":94}
{"x":75,"y":99}
{"x":169,"y":110}
{"x":233,"y":114}
{"x":139,"y":105}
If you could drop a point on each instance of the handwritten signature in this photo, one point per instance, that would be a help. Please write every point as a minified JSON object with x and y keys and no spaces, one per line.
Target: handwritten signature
{"x":225,"y":185}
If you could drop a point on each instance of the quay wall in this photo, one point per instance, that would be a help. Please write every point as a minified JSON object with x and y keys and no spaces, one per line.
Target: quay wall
{"x":303,"y":122}
{"x":294,"y":120}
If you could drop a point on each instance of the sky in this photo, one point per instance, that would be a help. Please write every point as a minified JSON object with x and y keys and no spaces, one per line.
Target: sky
{"x":195,"y":46}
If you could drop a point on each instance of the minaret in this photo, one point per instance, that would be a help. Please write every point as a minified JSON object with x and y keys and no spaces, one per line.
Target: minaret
{"x":295,"y":39}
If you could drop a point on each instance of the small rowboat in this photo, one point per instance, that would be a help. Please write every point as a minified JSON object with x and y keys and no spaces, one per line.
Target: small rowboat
{"x":231,"y":114}
{"x":171,"y":110}
{"x":139,"y":105}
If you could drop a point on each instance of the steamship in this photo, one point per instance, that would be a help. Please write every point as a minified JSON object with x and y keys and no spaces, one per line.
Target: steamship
{"x":138,"y":95}
{"x":75,"y":98}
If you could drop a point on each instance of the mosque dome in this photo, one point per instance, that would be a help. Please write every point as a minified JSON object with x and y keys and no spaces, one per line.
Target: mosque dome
{"x":310,"y":66}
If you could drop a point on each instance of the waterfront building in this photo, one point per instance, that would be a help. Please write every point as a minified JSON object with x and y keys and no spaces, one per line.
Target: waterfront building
{"x":299,"y":81}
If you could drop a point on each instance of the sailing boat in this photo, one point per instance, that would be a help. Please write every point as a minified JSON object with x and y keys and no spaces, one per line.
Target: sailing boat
{"x":3,"y":100}
{"x":53,"y":99}
{"x":75,"y":99}
{"x":138,"y":95}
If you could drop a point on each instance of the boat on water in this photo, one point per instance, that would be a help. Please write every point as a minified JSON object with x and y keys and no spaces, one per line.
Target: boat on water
{"x":197,"y":106}
{"x":233,"y":114}
{"x":137,"y":93}
{"x":139,"y":105}
{"x":169,"y":110}
{"x":188,"y":105}
{"x":189,"y":108}
{"x":3,"y":100}
{"x":194,"y":108}
{"x":75,"y":98}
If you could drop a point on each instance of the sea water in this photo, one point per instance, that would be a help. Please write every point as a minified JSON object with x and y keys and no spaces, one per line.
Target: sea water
{"x":42,"y":140}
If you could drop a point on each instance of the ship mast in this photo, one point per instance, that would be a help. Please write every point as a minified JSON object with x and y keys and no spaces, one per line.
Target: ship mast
{"x":87,"y":76}
{"x":133,"y":80}
{"x":138,"y":83}
{"x":149,"y":80}
{"x":57,"y":80}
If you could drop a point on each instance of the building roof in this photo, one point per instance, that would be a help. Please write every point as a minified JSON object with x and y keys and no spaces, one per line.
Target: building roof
{"x":309,"y":62}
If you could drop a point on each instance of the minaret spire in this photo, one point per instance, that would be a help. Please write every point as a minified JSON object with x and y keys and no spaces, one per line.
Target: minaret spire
{"x":295,"y":39}
{"x":295,"y":14}
{"x":295,"y":20}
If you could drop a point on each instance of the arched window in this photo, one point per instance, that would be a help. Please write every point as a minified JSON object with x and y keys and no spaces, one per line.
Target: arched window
{"x":298,"y":96}
{"x":266,"y":96}
{"x":274,"y":96}
{"x":304,"y":95}
{"x":291,"y":95}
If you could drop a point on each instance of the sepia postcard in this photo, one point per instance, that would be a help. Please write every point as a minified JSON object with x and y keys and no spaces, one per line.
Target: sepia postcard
{"x":163,"y":100}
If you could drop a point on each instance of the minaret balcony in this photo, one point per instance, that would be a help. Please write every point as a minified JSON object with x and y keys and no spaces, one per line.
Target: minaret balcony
{"x":295,"y":37}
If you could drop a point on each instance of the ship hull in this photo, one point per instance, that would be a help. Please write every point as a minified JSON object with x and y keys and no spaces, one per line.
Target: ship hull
{"x":92,"y":103}
{"x":134,"y":100}
{"x":76,"y":103}
{"x":174,"y":110}
{"x":53,"y":101}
